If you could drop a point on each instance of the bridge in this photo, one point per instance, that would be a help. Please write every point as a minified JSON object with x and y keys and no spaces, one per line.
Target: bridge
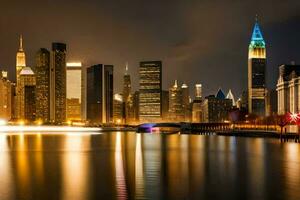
{"x":185,"y":127}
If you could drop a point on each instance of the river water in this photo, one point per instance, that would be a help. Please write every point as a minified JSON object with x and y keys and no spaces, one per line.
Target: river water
{"x":120,"y":165}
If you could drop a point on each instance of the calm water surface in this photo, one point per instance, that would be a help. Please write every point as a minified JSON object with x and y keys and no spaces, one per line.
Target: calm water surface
{"x":146,"y":166}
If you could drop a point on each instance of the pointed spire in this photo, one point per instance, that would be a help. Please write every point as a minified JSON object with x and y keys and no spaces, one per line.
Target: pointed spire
{"x":21,"y":43}
{"x":126,"y":68}
{"x":176,"y":84}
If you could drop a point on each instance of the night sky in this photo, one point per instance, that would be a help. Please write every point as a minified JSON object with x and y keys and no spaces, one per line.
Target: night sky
{"x":198,"y":41}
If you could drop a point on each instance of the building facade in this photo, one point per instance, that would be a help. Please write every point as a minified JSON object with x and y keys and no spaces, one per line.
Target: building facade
{"x":6,"y":97}
{"x":215,"y":109}
{"x":58,"y":86}
{"x":197,"y":104}
{"x":26,"y":100}
{"x":20,"y":64}
{"x":74,"y":89}
{"x":257,"y":73}
{"x":150,"y":91}
{"x":288,"y":91}
{"x":118,"y":109}
{"x":100,"y":94}
{"x":176,"y":112}
{"x":42,"y":93}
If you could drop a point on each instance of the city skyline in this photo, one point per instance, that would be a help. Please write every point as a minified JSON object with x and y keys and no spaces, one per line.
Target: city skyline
{"x":176,"y":50}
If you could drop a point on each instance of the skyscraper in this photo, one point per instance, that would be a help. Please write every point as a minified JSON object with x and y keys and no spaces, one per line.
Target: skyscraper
{"x":74,"y":84}
{"x":118,"y":109}
{"x":26,"y":101}
{"x":186,"y":102}
{"x":127,"y":84}
{"x":20,"y":64}
{"x":257,"y":73}
{"x":176,"y":103}
{"x":127,"y":95}
{"x":20,"y":59}
{"x":197,"y":104}
{"x":42,"y":93}
{"x":58,"y":83}
{"x":6,"y":96}
{"x":100,"y":94}
{"x":150,"y":92}
{"x":198,"y":91}
{"x":215,"y":108}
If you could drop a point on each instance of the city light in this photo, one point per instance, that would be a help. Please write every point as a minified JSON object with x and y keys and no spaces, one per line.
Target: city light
{"x":47,"y":129}
{"x":74,"y":64}
{"x":3,"y":122}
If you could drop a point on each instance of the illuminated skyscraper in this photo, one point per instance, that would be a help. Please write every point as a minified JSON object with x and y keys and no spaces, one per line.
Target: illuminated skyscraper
{"x":127,"y":95}
{"x":150,"y":96}
{"x":83,"y":92}
{"x":257,"y":73}
{"x":100,"y":94}
{"x":20,"y":64}
{"x":6,"y":97}
{"x":215,"y":108}
{"x":176,"y":103}
{"x":198,"y":91}
{"x":127,"y":84}
{"x":186,"y":102}
{"x":26,"y":101}
{"x":20,"y":59}
{"x":58,"y":83}
{"x":42,"y":72}
{"x":118,"y":109}
{"x":74,"y":88}
{"x":197,"y":104}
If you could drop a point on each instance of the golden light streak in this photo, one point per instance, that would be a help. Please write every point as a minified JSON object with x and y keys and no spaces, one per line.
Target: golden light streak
{"x":47,"y":129}
{"x":120,"y":177}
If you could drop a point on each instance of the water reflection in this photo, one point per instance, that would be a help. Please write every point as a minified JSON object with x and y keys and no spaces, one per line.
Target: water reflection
{"x":147,"y":166}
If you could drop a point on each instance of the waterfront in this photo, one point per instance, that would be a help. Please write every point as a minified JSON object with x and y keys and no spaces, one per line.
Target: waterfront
{"x":118,"y":165}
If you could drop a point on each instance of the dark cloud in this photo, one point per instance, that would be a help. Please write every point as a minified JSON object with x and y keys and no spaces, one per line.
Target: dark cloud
{"x":198,"y":41}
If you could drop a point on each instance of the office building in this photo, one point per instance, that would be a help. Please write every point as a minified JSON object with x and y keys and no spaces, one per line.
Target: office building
{"x":150,"y":91}
{"x":42,"y":93}
{"x":74,"y":89}
{"x":20,"y":64}
{"x":58,"y":88}
{"x":257,"y":73}
{"x":176,"y":113}
{"x":6,"y":97}
{"x":118,"y":109}
{"x":26,"y":100}
{"x":100,"y":94}
{"x":186,"y":103}
{"x":216,"y":108}
{"x":198,"y":91}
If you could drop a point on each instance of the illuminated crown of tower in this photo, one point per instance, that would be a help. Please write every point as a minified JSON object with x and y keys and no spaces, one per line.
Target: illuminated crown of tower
{"x":257,"y":40}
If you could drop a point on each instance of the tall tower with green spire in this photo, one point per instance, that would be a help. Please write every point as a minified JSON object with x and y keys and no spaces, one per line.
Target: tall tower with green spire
{"x":257,"y":73}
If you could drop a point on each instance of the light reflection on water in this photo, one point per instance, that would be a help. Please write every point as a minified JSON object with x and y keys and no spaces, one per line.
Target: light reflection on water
{"x":146,"y":166}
